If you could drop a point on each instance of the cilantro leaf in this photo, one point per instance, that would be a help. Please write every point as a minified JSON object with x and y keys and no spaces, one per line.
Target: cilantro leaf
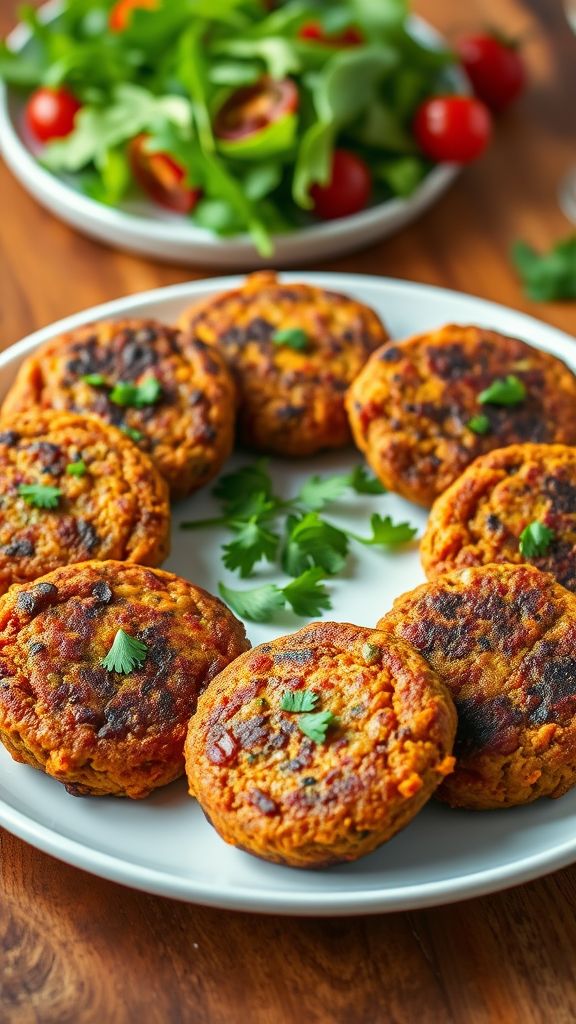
{"x":134,"y":435}
{"x":40,"y":495}
{"x":95,"y":380}
{"x":77,"y":468}
{"x":386,"y":533}
{"x":233,"y":487}
{"x":508,"y":390}
{"x":313,"y":542}
{"x":126,"y":393}
{"x":299,"y":700}
{"x":292,"y":337}
{"x":479,"y":424}
{"x":252,"y":543}
{"x":362,"y":483}
{"x":306,"y":595}
{"x":547,"y":276}
{"x":125,"y":654}
{"x":316,"y":725}
{"x":535,"y":539}
{"x":319,"y":491}
{"x":256,"y":605}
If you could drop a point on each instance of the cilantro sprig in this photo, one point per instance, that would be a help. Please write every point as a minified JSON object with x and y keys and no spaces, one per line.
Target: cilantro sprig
{"x":306,"y":595}
{"x":125,"y":392}
{"x":125,"y":654}
{"x":40,"y":495}
{"x":535,"y":539}
{"x":292,"y":337}
{"x":312,"y":723}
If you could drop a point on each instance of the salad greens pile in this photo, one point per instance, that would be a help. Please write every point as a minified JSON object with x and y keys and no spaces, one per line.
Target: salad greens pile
{"x":174,"y":65}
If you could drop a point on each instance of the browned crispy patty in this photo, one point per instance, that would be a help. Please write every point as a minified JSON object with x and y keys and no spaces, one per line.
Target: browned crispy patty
{"x":503,"y":639}
{"x":272,"y":787}
{"x":411,"y":406}
{"x":188,"y":429}
{"x":116,"y":508}
{"x":100,"y":731}
{"x":291,"y":399}
{"x":482,"y":516}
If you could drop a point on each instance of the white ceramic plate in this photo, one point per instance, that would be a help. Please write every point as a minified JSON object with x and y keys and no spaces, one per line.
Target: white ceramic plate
{"x":142,"y":227}
{"x":163,"y":844}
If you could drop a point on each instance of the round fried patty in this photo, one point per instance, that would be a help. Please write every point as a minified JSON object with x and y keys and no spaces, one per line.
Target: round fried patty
{"x":274,"y":788}
{"x":503,"y":639}
{"x":482,"y":516}
{"x":116,"y":508}
{"x":410,"y":408}
{"x":187,"y":428}
{"x":100,"y":731}
{"x":291,"y":384}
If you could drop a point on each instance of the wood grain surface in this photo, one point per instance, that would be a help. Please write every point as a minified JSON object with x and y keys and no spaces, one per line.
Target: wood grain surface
{"x":75,"y":949}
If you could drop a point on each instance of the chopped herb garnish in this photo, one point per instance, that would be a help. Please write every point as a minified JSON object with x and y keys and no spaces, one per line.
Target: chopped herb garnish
{"x":134,"y":435}
{"x":508,"y":390}
{"x":312,"y":541}
{"x":253,"y":542}
{"x":125,"y":654}
{"x":305,"y":595}
{"x":299,"y":700}
{"x":371,"y":653}
{"x":126,"y":393}
{"x":386,"y":533}
{"x":535,"y":539}
{"x":96,"y":380}
{"x":77,"y":468}
{"x":292,"y":337}
{"x":363,"y":483}
{"x":479,"y":424}
{"x":40,"y":495}
{"x":547,"y":276}
{"x":316,"y":725}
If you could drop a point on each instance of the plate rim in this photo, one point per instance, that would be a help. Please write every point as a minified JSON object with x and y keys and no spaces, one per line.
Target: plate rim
{"x":224,"y":895}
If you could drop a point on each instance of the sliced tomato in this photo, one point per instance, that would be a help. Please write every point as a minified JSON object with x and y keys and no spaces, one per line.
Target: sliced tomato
{"x":254,"y":107}
{"x":348,"y":190}
{"x":161,"y":177}
{"x":313,"y":32}
{"x":50,"y":113}
{"x":121,"y":13}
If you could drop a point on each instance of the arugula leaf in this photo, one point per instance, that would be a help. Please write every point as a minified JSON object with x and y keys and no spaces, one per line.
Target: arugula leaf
{"x":508,"y":390}
{"x":40,"y":495}
{"x":125,"y":654}
{"x":252,"y":543}
{"x":363,"y":483}
{"x":313,"y":542}
{"x":292,"y":337}
{"x":299,"y":700}
{"x":479,"y":424}
{"x":548,"y":276}
{"x":386,"y":533}
{"x":256,"y":605}
{"x":126,"y":393}
{"x":306,"y":595}
{"x":77,"y":468}
{"x":316,"y":725}
{"x":535,"y":539}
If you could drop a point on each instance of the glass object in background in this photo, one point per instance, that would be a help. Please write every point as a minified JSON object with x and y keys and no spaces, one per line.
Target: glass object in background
{"x":568,"y":186}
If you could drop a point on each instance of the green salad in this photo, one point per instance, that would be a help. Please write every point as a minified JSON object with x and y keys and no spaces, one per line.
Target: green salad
{"x":243,"y":115}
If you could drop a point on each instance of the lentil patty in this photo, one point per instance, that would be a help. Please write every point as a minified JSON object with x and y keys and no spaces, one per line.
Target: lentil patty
{"x":292,"y":400}
{"x":273,"y":791}
{"x":97,"y":731}
{"x":480,"y":518}
{"x":411,"y":405}
{"x":117,"y":508}
{"x":503,"y":639}
{"x":188,"y":431}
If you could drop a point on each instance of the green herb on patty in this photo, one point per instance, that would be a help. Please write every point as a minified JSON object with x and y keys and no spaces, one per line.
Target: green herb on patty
{"x":535,"y":539}
{"x":40,"y":495}
{"x":508,"y":390}
{"x":125,"y":654}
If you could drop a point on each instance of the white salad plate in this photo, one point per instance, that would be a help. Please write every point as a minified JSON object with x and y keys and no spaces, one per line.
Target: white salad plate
{"x":143,"y":227}
{"x":163,"y":844}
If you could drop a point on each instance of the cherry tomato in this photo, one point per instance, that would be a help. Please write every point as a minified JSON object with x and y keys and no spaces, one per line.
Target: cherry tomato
{"x":453,"y":128}
{"x":254,"y":107}
{"x":313,"y":32}
{"x":121,"y":14}
{"x":50,"y":113}
{"x":495,"y":68}
{"x":348,"y":190}
{"x":161,"y":177}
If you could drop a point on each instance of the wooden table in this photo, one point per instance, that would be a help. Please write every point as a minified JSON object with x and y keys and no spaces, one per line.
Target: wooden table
{"x":75,"y":949}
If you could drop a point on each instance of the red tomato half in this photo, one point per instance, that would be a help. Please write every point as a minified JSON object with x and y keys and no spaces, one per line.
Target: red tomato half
{"x":313,"y":32}
{"x":495,"y":68}
{"x":121,"y":14}
{"x":50,"y":113}
{"x":455,"y":129}
{"x":348,"y":190}
{"x":161,"y":177}
{"x":254,"y":107}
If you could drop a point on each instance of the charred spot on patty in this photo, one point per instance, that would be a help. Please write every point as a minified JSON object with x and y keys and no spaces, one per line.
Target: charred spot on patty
{"x":23,"y":548}
{"x":562,"y":494}
{"x":449,"y":361}
{"x":102,"y":591}
{"x":9,"y":437}
{"x":36,"y":600}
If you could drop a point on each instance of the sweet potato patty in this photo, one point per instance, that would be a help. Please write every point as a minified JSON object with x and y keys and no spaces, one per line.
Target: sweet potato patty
{"x":294,"y":349}
{"x":482,"y":516}
{"x":184,"y":415}
{"x":269,"y":786}
{"x":413,"y":406}
{"x":108,"y":500}
{"x":503,"y":639}
{"x":97,"y":730}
